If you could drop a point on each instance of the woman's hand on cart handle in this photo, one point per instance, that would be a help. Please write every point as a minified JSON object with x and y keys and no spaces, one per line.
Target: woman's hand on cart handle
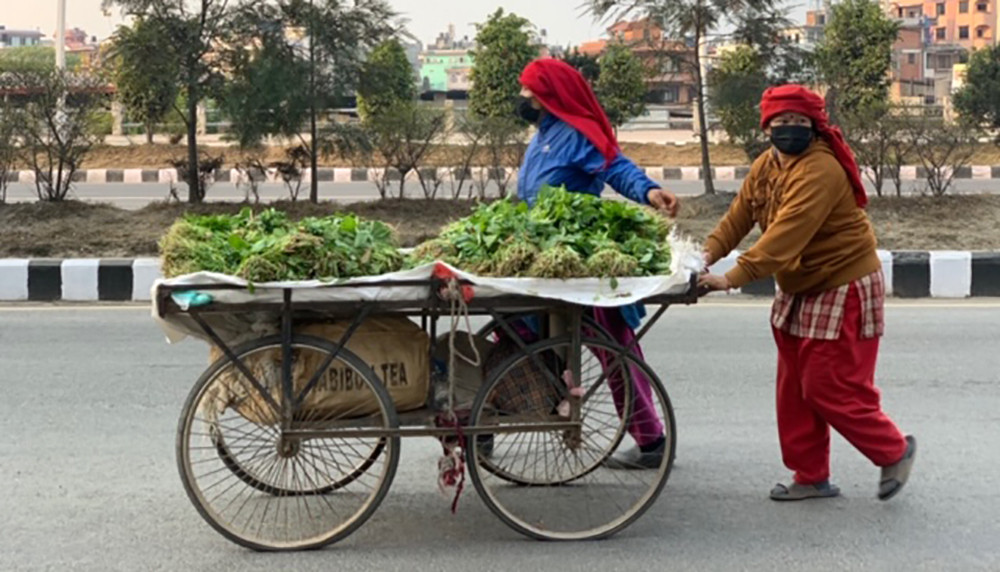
{"x":713,"y":283}
{"x":663,"y":201}
{"x":707,"y":261}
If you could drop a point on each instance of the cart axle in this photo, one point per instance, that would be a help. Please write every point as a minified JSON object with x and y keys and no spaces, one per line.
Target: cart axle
{"x":432,"y":431}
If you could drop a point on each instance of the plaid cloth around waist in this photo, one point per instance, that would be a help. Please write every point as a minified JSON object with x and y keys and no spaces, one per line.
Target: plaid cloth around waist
{"x":820,"y":316}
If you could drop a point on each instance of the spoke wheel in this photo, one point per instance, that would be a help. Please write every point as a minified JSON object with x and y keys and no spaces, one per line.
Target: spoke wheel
{"x":579,"y":498}
{"x":258,"y":482}
{"x":523,"y":374}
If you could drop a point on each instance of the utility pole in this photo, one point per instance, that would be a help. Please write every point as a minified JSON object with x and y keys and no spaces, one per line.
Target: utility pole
{"x":61,"y":35}
{"x":313,"y":131}
{"x":61,"y":61}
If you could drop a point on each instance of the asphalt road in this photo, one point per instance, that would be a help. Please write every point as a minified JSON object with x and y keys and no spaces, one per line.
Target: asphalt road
{"x":91,"y":398}
{"x":136,"y":196}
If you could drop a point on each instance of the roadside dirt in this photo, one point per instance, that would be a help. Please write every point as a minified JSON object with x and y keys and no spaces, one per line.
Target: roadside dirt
{"x":76,"y":229}
{"x":645,"y":154}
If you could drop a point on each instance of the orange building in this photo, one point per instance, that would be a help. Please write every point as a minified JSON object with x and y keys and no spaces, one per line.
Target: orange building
{"x":671,"y":81}
{"x":935,"y":36}
{"x":970,"y":24}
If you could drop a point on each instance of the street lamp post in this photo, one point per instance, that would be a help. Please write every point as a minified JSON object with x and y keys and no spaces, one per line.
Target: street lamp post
{"x":313,"y":130}
{"x":61,"y":60}
{"x":61,"y":35}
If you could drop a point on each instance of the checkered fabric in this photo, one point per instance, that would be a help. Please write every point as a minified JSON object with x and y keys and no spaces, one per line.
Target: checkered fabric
{"x":525,"y":388}
{"x":820,"y":316}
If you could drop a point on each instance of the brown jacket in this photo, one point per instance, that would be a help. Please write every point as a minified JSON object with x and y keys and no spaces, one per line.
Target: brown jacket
{"x":815,"y":237}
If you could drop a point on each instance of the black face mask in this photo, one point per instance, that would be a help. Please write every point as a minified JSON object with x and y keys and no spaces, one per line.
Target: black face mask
{"x":526,"y":111}
{"x":791,"y":139}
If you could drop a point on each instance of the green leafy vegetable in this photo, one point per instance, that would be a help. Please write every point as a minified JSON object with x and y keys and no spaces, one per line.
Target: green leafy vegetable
{"x":268,"y":246}
{"x":565,"y":235}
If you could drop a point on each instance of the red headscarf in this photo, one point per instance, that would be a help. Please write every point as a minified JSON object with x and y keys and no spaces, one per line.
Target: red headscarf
{"x":793,"y":98}
{"x":567,"y":95}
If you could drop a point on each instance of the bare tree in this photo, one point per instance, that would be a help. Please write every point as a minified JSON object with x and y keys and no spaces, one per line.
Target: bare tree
{"x":901,"y":146}
{"x":291,"y":170}
{"x":57,"y":125}
{"x":504,"y":144}
{"x":403,"y":137}
{"x":8,"y":147}
{"x":871,"y":132}
{"x":943,"y":149}
{"x":430,"y":181}
{"x":203,"y":173}
{"x":471,"y":130}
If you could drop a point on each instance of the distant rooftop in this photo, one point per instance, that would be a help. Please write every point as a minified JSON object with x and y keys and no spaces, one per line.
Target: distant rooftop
{"x":31,"y":33}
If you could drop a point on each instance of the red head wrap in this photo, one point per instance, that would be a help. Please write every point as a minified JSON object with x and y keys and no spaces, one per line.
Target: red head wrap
{"x":567,"y":95}
{"x":793,"y":98}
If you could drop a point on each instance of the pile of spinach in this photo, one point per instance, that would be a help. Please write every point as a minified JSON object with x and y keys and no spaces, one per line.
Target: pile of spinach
{"x":268,"y":246}
{"x":565,"y":235}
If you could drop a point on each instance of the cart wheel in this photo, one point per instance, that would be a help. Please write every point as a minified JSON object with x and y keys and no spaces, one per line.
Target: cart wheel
{"x":591,"y":501}
{"x":256,"y":482}
{"x":259,"y":482}
{"x":591,"y":328}
{"x":600,"y":413}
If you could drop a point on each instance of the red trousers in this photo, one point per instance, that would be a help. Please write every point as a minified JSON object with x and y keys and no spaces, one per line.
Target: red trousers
{"x":831,"y":383}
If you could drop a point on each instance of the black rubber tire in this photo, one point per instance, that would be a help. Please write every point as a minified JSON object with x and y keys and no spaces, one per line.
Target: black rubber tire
{"x":392,"y":448}
{"x":612,"y":528}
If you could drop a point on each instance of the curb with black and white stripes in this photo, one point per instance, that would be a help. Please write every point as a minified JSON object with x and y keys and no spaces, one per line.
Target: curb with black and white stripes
{"x":908,"y":274}
{"x":363,"y":175}
{"x":77,"y":280}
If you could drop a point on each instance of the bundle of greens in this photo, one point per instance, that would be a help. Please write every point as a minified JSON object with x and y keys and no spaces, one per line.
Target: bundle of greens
{"x":565,"y":235}
{"x":268,"y":247}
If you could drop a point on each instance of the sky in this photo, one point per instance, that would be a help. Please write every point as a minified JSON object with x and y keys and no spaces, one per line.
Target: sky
{"x":564,"y":21}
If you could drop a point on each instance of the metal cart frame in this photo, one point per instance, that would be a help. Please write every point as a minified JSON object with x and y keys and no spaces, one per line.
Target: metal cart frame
{"x":290,"y":433}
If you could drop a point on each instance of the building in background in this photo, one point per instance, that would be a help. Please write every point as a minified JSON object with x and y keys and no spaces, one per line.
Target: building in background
{"x":671,"y":82}
{"x":19,"y":38}
{"x":913,"y":57}
{"x":810,"y":34}
{"x":446,"y":65}
{"x":970,"y":24}
{"x":86,"y":47}
{"x":936,"y":36}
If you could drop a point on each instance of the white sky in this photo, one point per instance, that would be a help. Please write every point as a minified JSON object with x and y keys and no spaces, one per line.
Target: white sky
{"x":564,"y":21}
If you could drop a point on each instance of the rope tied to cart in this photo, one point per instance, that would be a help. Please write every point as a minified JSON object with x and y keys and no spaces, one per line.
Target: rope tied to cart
{"x":451,"y":466}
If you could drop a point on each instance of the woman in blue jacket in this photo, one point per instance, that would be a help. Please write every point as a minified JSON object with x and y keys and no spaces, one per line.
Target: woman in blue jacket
{"x":575,"y":146}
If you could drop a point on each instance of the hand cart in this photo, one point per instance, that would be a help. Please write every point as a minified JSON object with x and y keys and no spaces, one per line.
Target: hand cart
{"x":269,"y":473}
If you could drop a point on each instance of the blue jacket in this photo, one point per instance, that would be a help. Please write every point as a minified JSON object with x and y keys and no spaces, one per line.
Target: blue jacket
{"x":560,"y":155}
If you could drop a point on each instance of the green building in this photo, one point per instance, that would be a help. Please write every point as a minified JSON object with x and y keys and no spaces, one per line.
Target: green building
{"x":446,"y":65}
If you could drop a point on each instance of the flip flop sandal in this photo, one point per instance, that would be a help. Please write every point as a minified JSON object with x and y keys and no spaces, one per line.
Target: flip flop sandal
{"x":895,"y":476}
{"x":796,"y":492}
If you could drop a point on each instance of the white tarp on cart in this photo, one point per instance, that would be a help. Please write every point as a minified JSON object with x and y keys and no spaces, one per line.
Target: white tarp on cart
{"x":686,"y":260}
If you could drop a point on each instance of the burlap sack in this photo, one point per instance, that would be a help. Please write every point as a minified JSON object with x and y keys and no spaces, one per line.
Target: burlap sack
{"x":469,"y":377}
{"x":395,"y":348}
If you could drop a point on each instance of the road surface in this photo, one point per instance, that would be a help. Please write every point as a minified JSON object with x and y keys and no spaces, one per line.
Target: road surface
{"x":91,"y":398}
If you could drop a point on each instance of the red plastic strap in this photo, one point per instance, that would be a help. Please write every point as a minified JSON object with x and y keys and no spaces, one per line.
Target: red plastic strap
{"x":442,"y":272}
